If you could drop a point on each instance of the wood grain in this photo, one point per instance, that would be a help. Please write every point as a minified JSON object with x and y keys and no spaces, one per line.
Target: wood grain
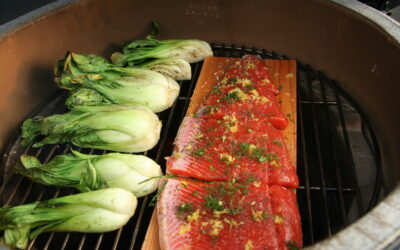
{"x":283,"y":73}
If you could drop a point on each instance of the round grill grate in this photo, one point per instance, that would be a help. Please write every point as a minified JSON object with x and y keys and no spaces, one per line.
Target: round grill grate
{"x":338,"y":161}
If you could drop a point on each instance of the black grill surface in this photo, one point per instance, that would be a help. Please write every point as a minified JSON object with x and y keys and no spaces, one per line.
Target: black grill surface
{"x":338,"y":161}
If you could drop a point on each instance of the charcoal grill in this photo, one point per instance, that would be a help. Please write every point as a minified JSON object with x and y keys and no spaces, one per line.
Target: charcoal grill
{"x":343,"y":171}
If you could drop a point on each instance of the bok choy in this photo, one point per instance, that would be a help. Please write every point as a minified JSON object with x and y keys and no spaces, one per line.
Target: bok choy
{"x":176,"y":68}
{"x":115,"y":84}
{"x":92,"y":212}
{"x":135,"y":173}
{"x":139,"y":52}
{"x":124,"y":128}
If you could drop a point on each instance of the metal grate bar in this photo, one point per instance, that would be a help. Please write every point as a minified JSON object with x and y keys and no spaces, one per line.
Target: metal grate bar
{"x":306,"y":171}
{"x":66,"y":238}
{"x":319,"y":154}
{"x":328,"y":189}
{"x":356,"y":187}
{"x":196,"y":73}
{"x":320,"y":103}
{"x":157,"y":159}
{"x":47,"y":159}
{"x":333,"y":148}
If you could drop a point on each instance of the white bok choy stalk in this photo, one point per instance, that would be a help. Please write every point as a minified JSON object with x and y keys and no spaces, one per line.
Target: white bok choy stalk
{"x":135,"y":173}
{"x":115,"y":84}
{"x":124,"y":128}
{"x":175,"y":68}
{"x":92,"y":212}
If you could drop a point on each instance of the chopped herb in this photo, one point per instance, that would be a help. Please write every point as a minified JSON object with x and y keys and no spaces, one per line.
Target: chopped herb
{"x":248,"y":88}
{"x":210,"y":109}
{"x":199,"y":151}
{"x":277,"y":142}
{"x":216,"y":90}
{"x":249,"y":180}
{"x":231,"y":97}
{"x":292,"y":245}
{"x":235,"y":210}
{"x":249,"y":130}
{"x":264,"y":215}
{"x":232,"y":80}
{"x":184,"y":209}
{"x":280,"y":87}
{"x":157,"y":196}
{"x":213,"y":203}
{"x":195,"y":193}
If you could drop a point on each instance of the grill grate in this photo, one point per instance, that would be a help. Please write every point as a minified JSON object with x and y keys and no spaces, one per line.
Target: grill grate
{"x":334,"y":142}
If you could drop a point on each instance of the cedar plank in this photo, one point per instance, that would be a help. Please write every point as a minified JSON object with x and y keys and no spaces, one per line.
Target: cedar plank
{"x":283,"y":72}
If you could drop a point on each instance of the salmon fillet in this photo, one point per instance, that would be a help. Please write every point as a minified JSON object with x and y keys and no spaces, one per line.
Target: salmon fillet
{"x":200,"y":215}
{"x":236,"y":132}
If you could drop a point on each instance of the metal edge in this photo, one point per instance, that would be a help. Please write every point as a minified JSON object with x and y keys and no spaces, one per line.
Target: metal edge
{"x":376,"y":230}
{"x":22,"y":21}
{"x":380,"y":19}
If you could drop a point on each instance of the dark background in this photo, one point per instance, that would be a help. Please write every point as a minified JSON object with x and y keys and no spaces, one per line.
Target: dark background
{"x":10,"y":9}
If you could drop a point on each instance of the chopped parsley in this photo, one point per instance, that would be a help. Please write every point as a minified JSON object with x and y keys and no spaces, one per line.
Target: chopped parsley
{"x":292,"y":245}
{"x":184,"y":209}
{"x":198,"y":151}
{"x":213,"y":203}
{"x":231,"y":97}
{"x":277,"y":142}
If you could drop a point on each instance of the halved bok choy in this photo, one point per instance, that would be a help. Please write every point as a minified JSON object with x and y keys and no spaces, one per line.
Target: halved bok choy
{"x":139,"y":52}
{"x":92,"y":212}
{"x":135,"y":173}
{"x":115,"y":84}
{"x":124,"y":128}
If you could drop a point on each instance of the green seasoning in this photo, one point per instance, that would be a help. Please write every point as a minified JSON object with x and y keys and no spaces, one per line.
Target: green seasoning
{"x":184,"y":209}
{"x":213,"y":203}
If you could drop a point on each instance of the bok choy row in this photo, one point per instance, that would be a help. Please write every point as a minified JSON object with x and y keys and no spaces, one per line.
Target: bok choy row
{"x":112,"y":107}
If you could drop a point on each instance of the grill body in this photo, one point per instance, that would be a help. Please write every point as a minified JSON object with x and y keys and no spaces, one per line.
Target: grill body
{"x":362,"y":56}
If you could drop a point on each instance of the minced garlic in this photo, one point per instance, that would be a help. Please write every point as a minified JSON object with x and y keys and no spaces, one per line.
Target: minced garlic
{"x":185,"y":228}
{"x":226,"y":157}
{"x":278,"y":218}
{"x":216,"y":227}
{"x":194,"y":216}
{"x":257,"y":215}
{"x":249,"y":245}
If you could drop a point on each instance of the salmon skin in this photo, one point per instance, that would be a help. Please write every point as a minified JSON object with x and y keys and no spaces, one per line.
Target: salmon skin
{"x":218,"y":215}
{"x":236,"y":132}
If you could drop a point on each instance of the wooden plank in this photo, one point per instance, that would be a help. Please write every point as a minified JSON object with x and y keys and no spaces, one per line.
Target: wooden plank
{"x":283,"y":73}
